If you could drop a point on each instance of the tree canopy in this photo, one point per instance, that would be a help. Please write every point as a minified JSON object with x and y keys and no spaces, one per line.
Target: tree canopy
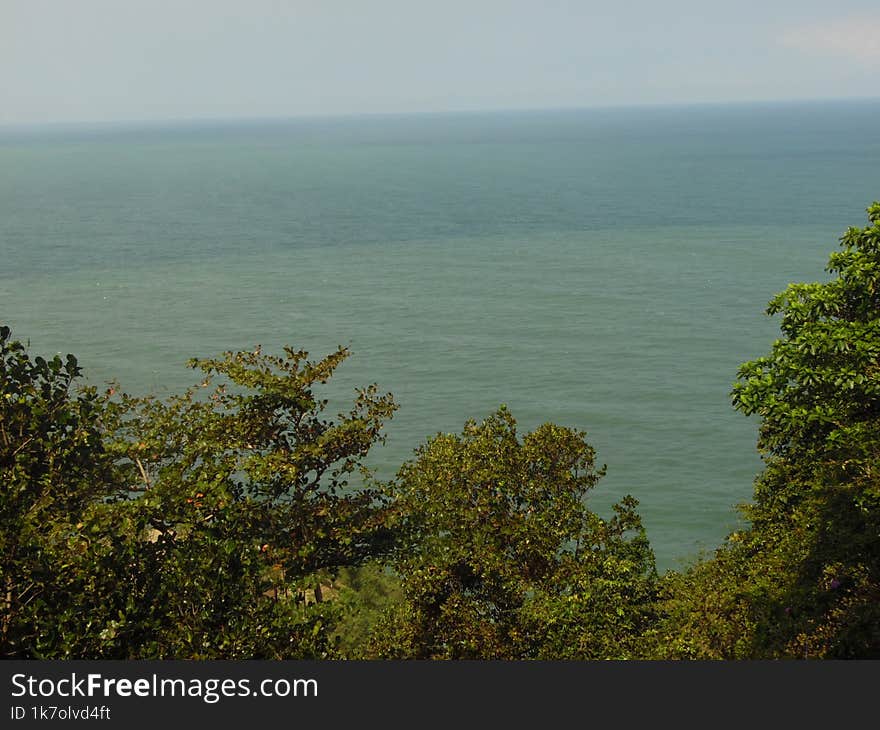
{"x":804,"y":579}
{"x":193,"y":527}
{"x":500,"y":557}
{"x":237,"y":520}
{"x":53,"y":468}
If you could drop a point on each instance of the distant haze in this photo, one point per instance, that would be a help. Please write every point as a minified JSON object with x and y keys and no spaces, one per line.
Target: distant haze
{"x":113,"y":60}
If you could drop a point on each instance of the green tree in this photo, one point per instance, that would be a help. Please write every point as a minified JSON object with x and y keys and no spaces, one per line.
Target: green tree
{"x":248,"y":508}
{"x":804,"y":579}
{"x":202,"y":526}
{"x":53,"y":466}
{"x":364,"y":594}
{"x":499,"y":557}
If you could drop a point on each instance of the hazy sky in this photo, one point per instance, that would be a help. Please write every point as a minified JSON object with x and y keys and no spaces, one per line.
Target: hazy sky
{"x":110,"y":60}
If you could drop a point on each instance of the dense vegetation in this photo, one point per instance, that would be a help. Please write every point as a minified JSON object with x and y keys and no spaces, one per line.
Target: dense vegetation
{"x":804,"y":579}
{"x":236,"y":519}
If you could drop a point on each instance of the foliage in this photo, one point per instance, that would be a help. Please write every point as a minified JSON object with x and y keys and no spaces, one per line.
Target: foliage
{"x":804,"y":579}
{"x":53,"y":465}
{"x":212,"y":524}
{"x":235,"y":506}
{"x":364,"y":594}
{"x":499,"y":557}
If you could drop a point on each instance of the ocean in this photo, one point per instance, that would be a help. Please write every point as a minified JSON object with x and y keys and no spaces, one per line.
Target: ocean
{"x":605,"y":269}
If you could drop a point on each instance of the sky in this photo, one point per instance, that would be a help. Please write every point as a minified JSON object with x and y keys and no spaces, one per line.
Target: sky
{"x":128,"y":60}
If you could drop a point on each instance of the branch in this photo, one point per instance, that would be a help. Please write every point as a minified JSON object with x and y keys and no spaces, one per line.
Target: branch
{"x":143,"y":472}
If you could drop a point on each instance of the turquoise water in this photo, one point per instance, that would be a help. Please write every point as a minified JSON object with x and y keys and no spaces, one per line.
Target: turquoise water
{"x":600,"y":269}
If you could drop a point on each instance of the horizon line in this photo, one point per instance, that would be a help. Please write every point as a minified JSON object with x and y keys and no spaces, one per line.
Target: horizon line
{"x":313,"y":116}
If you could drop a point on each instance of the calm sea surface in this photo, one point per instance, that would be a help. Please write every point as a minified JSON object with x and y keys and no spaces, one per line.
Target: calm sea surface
{"x":606,"y":269}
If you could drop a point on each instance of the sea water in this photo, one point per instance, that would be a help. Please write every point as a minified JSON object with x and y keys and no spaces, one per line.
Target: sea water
{"x":603,"y":269}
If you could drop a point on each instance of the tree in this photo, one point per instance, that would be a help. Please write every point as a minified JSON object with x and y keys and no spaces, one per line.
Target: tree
{"x":804,"y":578}
{"x":202,"y":526}
{"x":499,"y":557}
{"x":248,"y":504}
{"x":53,"y":466}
